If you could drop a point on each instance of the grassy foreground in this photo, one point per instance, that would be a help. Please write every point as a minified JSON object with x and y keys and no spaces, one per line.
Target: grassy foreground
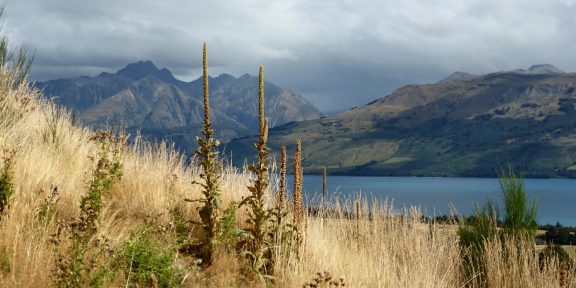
{"x":59,"y":176}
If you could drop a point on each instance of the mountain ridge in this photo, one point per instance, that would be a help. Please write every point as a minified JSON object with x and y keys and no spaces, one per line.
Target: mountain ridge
{"x":455,"y":128}
{"x":143,"y":97}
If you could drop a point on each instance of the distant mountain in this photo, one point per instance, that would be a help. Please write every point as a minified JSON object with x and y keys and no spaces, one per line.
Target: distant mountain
{"x":458,"y":76}
{"x":143,"y":97}
{"x":468,"y":126}
{"x":540,"y":69}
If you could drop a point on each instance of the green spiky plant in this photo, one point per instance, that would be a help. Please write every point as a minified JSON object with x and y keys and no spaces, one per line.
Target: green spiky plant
{"x":208,"y":156}
{"x":258,"y":215}
{"x":520,"y":213}
{"x":18,"y":62}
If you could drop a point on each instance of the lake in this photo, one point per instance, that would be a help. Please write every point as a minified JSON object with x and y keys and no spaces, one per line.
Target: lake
{"x":556,"y":198}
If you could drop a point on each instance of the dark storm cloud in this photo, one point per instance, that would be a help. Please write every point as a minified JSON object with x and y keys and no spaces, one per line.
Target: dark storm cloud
{"x":336,"y":53}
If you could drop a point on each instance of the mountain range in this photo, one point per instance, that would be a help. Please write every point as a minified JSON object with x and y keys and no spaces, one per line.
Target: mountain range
{"x":463,"y":125}
{"x":151,"y":100}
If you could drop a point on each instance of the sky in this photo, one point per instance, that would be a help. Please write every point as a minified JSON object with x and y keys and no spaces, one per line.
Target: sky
{"x":336,"y":53}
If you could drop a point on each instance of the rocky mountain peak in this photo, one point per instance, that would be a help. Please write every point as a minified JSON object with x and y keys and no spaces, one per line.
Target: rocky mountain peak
{"x":538,"y":69}
{"x":458,"y":76}
{"x":544,"y":69}
{"x":140,"y":70}
{"x":246,"y":76}
{"x":225,"y":77}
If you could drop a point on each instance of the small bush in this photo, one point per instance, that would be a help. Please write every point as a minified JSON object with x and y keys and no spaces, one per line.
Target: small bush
{"x":553,"y":252}
{"x":84,"y":262}
{"x":6,"y":184}
{"x":229,"y":232}
{"x":480,"y":227}
{"x":46,"y":209}
{"x":5,"y":263}
{"x":149,"y":261}
{"x":473,"y":235}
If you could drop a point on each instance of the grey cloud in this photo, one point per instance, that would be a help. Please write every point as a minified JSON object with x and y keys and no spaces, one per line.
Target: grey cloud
{"x":337,"y":53}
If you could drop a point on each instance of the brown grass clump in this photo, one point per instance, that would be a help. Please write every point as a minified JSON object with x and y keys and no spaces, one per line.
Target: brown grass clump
{"x":511,"y":262}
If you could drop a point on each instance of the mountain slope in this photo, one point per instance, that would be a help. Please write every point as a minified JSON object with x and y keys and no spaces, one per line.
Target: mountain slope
{"x":143,"y":97}
{"x":467,"y":127}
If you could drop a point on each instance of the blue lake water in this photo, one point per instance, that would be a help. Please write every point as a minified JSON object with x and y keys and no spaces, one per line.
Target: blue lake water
{"x":556,"y":198}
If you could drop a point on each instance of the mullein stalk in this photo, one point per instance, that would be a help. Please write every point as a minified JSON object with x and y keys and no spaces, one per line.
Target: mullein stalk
{"x":259,"y":215}
{"x":282,"y":231}
{"x":298,"y":210}
{"x":324,"y":191}
{"x":281,"y":197}
{"x":210,"y":173}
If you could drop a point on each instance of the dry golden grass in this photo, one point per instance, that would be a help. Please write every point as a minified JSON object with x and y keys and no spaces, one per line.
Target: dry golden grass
{"x":382,"y":250}
{"x":513,"y":263}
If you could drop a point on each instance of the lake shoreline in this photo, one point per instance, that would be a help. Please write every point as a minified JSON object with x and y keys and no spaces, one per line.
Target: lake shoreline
{"x":495,"y":176}
{"x":446,"y":195}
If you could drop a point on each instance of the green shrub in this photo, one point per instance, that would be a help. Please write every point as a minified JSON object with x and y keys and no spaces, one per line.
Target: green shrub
{"x":479,"y":227}
{"x":551,"y":252}
{"x":472,"y":235}
{"x":148,"y":261}
{"x":6,"y":185}
{"x":46,"y":209}
{"x":5,"y":263}
{"x":84,"y":261}
{"x":229,"y":232}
